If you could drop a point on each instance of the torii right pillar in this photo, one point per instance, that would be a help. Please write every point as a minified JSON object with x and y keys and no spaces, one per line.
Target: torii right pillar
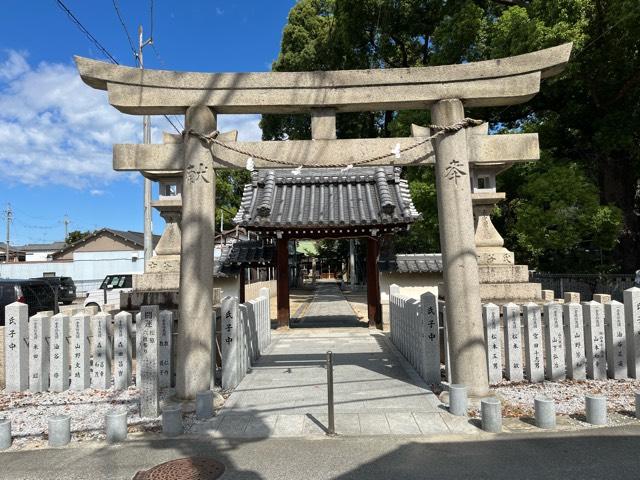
{"x":457,"y":241}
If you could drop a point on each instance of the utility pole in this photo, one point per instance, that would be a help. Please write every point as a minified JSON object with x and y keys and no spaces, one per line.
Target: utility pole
{"x":9,"y":216}
{"x":146,"y":125}
{"x":66,"y":222}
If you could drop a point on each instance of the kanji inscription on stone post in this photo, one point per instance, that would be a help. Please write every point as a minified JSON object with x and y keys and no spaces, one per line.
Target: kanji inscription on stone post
{"x":80,"y":352}
{"x":491,"y":319}
{"x":615,"y":338}
{"x":164,"y":349}
{"x":138,"y":342}
{"x":512,"y":343}
{"x":230,"y":344}
{"x":101,"y":351}
{"x":148,"y":358}
{"x":121,"y":351}
{"x":59,"y":353}
{"x":632,"y":315}
{"x":16,"y":347}
{"x":574,"y":340}
{"x":430,"y":338}
{"x":593,"y":314}
{"x":534,"y":356}
{"x":554,"y":342}
{"x":39,"y":352}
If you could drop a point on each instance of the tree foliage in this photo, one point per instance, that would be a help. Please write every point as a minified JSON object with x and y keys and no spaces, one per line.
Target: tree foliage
{"x":76,"y":235}
{"x":229,"y":186}
{"x":578,"y":208}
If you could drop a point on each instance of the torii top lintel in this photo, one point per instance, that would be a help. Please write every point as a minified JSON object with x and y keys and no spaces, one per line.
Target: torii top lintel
{"x":487,"y":83}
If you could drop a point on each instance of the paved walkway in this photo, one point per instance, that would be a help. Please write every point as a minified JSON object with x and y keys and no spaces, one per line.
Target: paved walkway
{"x":328,"y":308}
{"x":376,"y":391}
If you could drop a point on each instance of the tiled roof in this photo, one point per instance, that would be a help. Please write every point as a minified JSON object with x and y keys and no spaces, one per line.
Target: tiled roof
{"x":412,"y":263}
{"x":326,"y":197}
{"x":41,"y":247}
{"x":136,"y":238}
{"x":250,"y":253}
{"x":247,"y":253}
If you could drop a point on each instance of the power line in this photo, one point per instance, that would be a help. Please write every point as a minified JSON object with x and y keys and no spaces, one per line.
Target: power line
{"x":95,"y":41}
{"x":162,"y":63}
{"x":126,"y":30}
{"x":151,"y":20}
{"x":82,"y":28}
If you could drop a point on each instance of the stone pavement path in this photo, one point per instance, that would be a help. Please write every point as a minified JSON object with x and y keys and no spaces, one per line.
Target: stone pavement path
{"x":376,"y":391}
{"x":328,"y":308}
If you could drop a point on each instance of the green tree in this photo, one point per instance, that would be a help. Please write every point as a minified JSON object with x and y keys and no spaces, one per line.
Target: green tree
{"x":76,"y":235}
{"x":229,"y":187}
{"x":587,"y":118}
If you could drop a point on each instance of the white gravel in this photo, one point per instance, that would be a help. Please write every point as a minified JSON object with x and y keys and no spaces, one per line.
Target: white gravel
{"x":29,"y":412}
{"x":569,"y":395}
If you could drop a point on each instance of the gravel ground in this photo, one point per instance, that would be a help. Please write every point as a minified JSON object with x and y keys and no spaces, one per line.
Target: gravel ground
{"x":518,"y":398}
{"x":29,"y":412}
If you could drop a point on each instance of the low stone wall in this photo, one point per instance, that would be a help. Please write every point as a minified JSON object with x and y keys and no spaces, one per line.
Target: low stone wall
{"x":246,"y":334}
{"x":411,"y":285}
{"x":578,"y":341}
{"x":252,"y":290}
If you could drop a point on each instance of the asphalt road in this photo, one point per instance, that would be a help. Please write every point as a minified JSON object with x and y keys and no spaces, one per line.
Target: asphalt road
{"x":610,"y":453}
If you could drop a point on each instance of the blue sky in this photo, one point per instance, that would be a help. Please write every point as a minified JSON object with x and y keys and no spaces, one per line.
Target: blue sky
{"x":56,"y":133}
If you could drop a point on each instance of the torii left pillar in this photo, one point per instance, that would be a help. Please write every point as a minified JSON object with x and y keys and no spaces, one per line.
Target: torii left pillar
{"x":194,"y":347}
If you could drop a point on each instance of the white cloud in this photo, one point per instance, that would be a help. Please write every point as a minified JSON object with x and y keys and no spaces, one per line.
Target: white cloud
{"x":96,"y":192}
{"x":13,"y":66}
{"x":55,"y":129}
{"x":248,"y":126}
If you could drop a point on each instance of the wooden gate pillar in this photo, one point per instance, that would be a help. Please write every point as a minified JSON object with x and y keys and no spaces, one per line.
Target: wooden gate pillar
{"x":282,"y":254}
{"x":243,"y":282}
{"x":373,"y":283}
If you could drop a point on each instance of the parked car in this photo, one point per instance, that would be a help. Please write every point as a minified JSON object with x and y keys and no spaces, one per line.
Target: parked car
{"x":65,"y":286}
{"x":36,"y":293}
{"x":113,"y":285}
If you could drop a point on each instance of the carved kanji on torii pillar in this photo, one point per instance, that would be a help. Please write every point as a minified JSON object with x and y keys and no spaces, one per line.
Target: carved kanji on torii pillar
{"x":446,"y":90}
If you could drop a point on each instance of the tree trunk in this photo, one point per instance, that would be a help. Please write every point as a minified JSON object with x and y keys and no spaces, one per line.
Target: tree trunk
{"x":618,"y":187}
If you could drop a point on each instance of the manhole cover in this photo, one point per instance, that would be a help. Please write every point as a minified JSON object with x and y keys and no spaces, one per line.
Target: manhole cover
{"x":190,"y":468}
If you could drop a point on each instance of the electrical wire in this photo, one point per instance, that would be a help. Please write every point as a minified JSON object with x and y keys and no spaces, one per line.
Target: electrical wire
{"x":82,"y":28}
{"x":98,"y":45}
{"x":151,"y":21}
{"x":126,"y":30}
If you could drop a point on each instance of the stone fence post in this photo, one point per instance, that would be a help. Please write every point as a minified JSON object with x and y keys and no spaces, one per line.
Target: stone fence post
{"x":230,"y":343}
{"x":430,"y":338}
{"x":16,"y":347}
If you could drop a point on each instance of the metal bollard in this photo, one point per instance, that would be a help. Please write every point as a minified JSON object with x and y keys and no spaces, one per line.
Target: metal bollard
{"x":545,"y":412}
{"x":115,"y":424}
{"x":491,"y":411}
{"x":596,"y":409}
{"x":637,"y":404}
{"x":204,"y":404}
{"x":5,"y":433}
{"x":458,"y":400}
{"x":59,"y":430}
{"x":332,"y":427}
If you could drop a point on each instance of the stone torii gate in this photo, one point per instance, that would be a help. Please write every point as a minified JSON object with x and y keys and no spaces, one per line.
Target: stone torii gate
{"x":446,"y":90}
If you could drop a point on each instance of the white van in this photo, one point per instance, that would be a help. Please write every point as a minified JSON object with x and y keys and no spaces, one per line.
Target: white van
{"x":113,"y":285}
